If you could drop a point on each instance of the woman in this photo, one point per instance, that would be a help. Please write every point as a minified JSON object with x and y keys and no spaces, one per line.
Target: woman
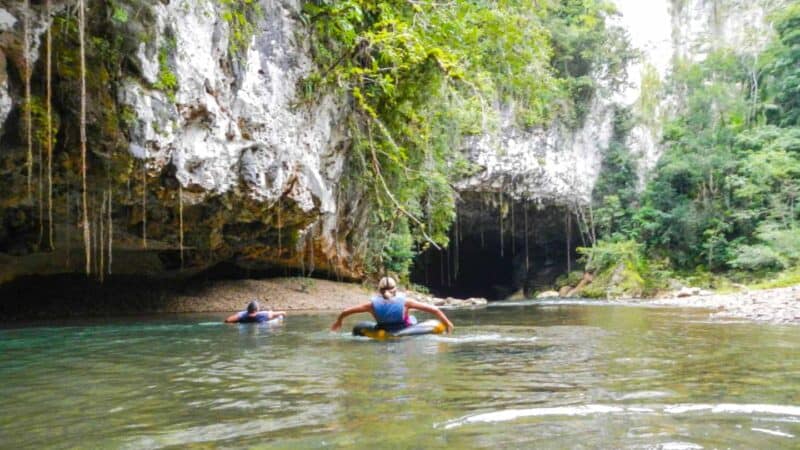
{"x":391,"y":310}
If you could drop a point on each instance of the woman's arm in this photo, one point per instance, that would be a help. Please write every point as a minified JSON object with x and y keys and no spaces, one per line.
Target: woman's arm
{"x":411,"y":304}
{"x":365,"y":307}
{"x":233,"y":318}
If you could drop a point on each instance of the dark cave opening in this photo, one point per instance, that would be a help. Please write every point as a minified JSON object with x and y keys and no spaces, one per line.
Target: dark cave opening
{"x":501,"y":247}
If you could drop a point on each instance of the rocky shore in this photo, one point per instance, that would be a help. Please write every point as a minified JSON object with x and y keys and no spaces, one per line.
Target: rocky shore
{"x":779,"y":305}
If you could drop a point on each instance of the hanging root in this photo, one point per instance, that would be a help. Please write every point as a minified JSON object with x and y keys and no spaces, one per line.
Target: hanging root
{"x":49,"y":106}
{"x":40,"y":197}
{"x":377,"y":168}
{"x":100,"y":220}
{"x":180,"y":221}
{"x":144,"y":201}
{"x":85,"y":219}
{"x":280,"y":227}
{"x":68,"y":229}
{"x":501,"y":226}
{"x":569,"y":238}
{"x":110,"y":230}
{"x":513,"y":228}
{"x":26,"y":59}
{"x":527,"y":251}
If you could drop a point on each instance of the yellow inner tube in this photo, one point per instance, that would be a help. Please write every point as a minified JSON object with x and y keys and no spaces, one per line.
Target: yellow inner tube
{"x":369,"y":329}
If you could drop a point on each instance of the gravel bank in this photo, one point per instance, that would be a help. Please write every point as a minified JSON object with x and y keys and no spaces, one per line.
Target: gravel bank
{"x":779,"y":305}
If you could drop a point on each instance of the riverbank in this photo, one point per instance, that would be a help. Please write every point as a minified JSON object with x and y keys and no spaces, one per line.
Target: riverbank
{"x":777,"y":305}
{"x":292,"y":294}
{"x":75,"y":296}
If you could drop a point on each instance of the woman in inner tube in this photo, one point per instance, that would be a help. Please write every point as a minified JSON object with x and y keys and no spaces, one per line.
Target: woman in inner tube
{"x":390,"y":309}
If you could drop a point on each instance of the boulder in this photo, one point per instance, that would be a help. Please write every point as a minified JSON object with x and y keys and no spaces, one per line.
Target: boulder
{"x":548,"y":294}
{"x":519,"y":295}
{"x":564,"y":291}
{"x":688,"y":292}
{"x":476,"y":301}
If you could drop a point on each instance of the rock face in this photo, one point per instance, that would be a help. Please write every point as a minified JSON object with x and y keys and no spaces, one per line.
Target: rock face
{"x":213,"y":131}
{"x":233,"y":126}
{"x":555,"y":165}
{"x":256,"y":171}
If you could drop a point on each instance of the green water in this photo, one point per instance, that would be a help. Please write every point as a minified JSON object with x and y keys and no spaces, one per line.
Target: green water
{"x":554,"y":376}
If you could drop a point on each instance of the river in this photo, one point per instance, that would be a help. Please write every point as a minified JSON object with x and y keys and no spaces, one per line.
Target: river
{"x":519,"y":375}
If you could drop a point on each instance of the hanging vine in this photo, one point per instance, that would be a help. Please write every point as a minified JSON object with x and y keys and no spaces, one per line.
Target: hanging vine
{"x":49,"y":118}
{"x":26,"y":61}
{"x":85,"y":216}
{"x":513,"y":231}
{"x":100,"y":220}
{"x":110,"y":229}
{"x":180,"y":221}
{"x":501,"y":225}
{"x":40,"y":194}
{"x":144,"y":200}
{"x":527,"y":251}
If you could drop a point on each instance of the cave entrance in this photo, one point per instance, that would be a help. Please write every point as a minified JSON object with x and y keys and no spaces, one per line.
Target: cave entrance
{"x":500,"y":247}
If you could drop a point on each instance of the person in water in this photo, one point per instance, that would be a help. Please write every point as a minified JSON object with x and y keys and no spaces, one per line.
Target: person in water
{"x":253,"y":315}
{"x":390,"y":309}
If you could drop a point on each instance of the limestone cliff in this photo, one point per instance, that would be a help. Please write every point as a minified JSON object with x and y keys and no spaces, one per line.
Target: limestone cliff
{"x":199,"y":136}
{"x":198,"y":120}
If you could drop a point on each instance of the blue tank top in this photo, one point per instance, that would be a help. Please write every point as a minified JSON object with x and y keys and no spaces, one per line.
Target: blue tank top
{"x":260,"y":317}
{"x":390,"y":312}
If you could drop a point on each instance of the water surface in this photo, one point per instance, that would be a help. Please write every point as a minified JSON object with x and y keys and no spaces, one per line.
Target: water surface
{"x":512,"y":376}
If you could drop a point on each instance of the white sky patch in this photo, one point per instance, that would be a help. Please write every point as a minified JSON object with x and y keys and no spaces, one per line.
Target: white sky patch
{"x":650,"y":31}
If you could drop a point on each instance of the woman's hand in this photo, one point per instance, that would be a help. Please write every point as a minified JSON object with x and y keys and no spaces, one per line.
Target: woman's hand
{"x":336,"y":325}
{"x":449,"y":326}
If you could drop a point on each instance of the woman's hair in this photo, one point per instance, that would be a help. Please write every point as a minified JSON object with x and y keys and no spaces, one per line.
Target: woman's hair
{"x":387,"y":287}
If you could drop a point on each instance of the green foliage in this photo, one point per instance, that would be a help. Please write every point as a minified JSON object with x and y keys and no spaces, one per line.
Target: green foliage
{"x":780,"y":74}
{"x":397,"y":253}
{"x":167,"y":80}
{"x":784,"y":279}
{"x":39,"y":122}
{"x":423,"y":75}
{"x":605,"y":255}
{"x":775,"y":249}
{"x":615,"y":194}
{"x":724,"y":194}
{"x":584,"y":44}
{"x":650,"y":97}
{"x":120,"y":15}
{"x":241,"y":17}
{"x":569,"y":279}
{"x":622,"y":270}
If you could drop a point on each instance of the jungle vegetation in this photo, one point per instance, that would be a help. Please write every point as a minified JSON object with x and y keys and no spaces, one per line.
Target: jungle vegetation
{"x":722,"y":203}
{"x":423,"y":75}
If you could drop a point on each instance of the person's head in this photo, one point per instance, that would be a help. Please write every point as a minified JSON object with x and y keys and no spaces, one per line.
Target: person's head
{"x":252,"y":307}
{"x":387,"y":287}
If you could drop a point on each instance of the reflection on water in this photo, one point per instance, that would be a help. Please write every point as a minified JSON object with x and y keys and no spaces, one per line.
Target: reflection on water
{"x":515,"y":375}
